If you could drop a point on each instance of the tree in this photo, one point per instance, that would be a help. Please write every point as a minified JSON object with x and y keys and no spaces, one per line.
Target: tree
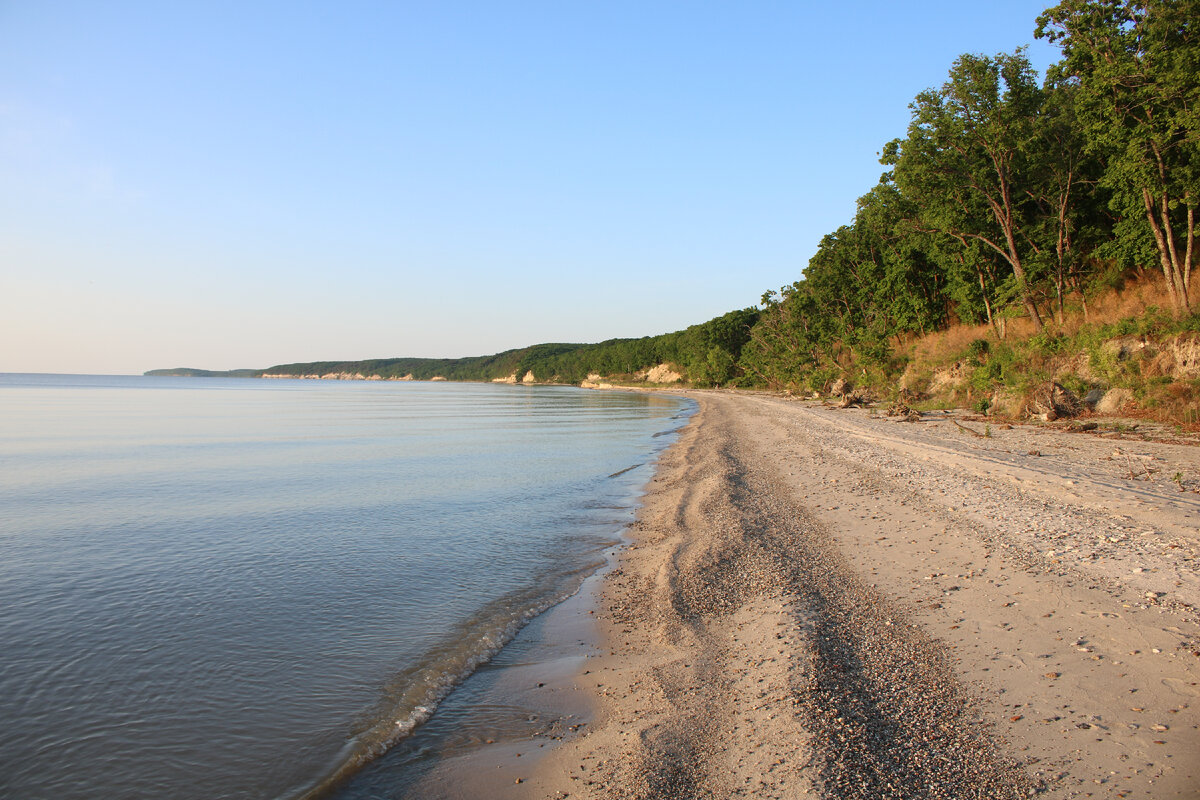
{"x":964,"y":162}
{"x":910,"y":296}
{"x":1137,"y":62}
{"x":783,"y":349}
{"x":1066,"y":223}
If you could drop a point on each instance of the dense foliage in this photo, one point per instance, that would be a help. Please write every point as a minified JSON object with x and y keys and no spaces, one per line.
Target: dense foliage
{"x":1010,"y":196}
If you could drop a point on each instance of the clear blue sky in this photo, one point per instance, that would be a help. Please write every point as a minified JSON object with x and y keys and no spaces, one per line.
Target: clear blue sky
{"x":240,"y":184}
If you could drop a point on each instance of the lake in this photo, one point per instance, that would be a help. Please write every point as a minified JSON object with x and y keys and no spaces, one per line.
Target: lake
{"x":220,"y":588}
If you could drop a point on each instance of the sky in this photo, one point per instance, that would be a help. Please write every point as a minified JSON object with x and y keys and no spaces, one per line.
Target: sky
{"x":240,"y":184}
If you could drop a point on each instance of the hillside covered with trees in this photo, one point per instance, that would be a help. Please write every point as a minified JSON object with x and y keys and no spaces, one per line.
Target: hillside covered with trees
{"x":1012,"y":205}
{"x":1011,"y":197}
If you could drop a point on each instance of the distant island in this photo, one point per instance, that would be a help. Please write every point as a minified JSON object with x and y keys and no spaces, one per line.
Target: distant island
{"x":188,"y":372}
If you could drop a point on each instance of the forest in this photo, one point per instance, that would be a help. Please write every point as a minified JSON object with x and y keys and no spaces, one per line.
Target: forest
{"x":1011,"y":203}
{"x":1011,"y":198}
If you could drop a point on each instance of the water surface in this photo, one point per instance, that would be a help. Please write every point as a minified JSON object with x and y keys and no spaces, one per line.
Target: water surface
{"x":239,"y":588}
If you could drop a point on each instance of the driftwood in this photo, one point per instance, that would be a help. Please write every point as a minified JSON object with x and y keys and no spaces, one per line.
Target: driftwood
{"x":971,"y":431}
{"x":859,"y":398}
{"x":1053,"y":400}
{"x":902,"y":410}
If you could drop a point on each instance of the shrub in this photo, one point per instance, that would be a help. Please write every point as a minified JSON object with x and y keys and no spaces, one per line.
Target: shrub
{"x":977,"y":351}
{"x":1047,"y":344}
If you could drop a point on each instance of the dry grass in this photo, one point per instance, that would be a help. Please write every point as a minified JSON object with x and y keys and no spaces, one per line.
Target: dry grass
{"x":942,"y":346}
{"x":945,"y":346}
{"x":1131,"y":300}
{"x":1134,"y":298}
{"x":1183,"y":415}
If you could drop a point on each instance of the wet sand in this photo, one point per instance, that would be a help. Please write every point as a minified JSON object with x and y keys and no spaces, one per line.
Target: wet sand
{"x":828,"y":603}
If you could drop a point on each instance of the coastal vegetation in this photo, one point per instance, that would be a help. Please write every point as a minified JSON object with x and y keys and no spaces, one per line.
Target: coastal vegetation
{"x":1010,"y":208}
{"x":1023,"y":223}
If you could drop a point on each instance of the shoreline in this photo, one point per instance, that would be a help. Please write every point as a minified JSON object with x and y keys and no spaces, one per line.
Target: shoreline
{"x":822,"y":603}
{"x":518,"y":705}
{"x":505,"y":717}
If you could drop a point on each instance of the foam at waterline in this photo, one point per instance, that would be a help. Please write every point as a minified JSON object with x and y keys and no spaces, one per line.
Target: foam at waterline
{"x":413,"y":695}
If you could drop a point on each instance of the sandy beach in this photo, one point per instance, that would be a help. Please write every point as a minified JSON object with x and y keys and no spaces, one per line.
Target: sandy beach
{"x":825,"y":602}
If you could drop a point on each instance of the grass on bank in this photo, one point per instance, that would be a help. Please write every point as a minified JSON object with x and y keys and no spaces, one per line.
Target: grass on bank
{"x":1123,"y":340}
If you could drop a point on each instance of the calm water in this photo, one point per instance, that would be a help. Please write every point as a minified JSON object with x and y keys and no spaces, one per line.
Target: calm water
{"x":241,"y":588}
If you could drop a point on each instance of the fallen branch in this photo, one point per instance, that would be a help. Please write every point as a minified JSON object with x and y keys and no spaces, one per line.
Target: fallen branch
{"x":971,"y":431}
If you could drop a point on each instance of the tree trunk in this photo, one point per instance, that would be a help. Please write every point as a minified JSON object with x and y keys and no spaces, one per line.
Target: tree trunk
{"x":987,"y":304}
{"x":1002,"y":210}
{"x":1019,"y":272}
{"x":1167,"y":254}
{"x":1187,"y":261}
{"x":1061,"y":247}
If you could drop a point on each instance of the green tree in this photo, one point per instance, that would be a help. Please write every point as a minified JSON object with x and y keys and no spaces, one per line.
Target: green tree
{"x":783,"y":349}
{"x":1136,"y":63}
{"x":964,"y":163}
{"x":1066,"y":223}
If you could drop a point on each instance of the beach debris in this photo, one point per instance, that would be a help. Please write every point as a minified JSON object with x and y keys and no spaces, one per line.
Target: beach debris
{"x":904,"y":411}
{"x":969,"y":430}
{"x":851,"y":399}
{"x":1052,"y":401}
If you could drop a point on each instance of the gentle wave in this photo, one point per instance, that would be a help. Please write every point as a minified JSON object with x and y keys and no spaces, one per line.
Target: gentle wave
{"x":414,"y":694}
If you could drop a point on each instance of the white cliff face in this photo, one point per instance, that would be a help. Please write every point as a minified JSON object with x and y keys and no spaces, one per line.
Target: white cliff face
{"x":328,"y":376}
{"x":663,"y":374}
{"x":595,"y":381}
{"x":529,"y":378}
